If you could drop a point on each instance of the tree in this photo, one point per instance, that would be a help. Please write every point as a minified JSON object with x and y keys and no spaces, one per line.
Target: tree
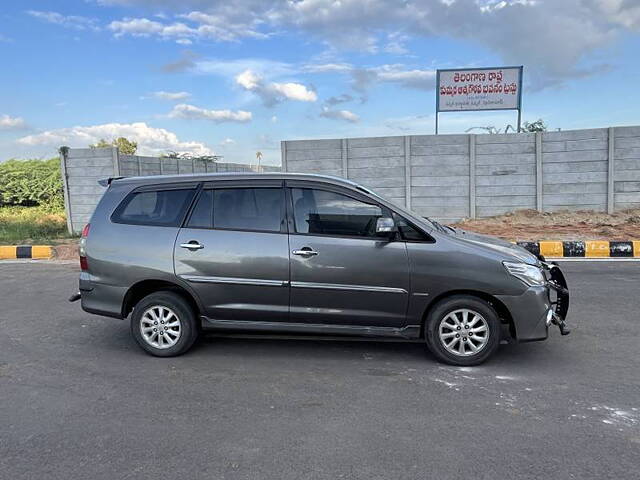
{"x":489,"y":129}
{"x":126,"y":146}
{"x":189,"y":156}
{"x":537,"y":126}
{"x":31,"y":182}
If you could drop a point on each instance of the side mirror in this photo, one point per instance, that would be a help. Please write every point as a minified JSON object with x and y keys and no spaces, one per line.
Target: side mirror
{"x":385,"y":225}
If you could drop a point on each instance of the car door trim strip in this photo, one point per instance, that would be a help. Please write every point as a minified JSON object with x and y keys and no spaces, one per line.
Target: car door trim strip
{"x":235,"y":281}
{"x":340,"y":286}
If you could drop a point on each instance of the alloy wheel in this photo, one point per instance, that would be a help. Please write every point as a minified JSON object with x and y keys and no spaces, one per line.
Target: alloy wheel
{"x":463,"y":332}
{"x":160,"y":327}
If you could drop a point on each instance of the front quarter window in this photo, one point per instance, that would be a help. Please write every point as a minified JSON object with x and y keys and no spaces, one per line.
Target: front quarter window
{"x":408,"y":232}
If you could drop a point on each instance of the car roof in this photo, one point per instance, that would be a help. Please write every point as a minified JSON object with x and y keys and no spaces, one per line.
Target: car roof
{"x":208,"y":177}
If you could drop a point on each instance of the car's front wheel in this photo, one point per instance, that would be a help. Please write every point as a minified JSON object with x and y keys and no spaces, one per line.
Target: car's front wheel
{"x":164,"y":324}
{"x":462,"y":330}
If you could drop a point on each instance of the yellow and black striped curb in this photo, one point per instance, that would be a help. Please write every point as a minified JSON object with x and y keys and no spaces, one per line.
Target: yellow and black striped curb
{"x":41,"y":252}
{"x":586,"y":248}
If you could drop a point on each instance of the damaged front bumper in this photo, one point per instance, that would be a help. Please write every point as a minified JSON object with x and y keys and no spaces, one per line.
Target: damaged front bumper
{"x":558,"y":289}
{"x":540,"y":306}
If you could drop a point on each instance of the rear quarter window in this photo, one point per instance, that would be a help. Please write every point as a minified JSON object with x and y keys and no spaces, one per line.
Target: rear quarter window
{"x":164,"y":208}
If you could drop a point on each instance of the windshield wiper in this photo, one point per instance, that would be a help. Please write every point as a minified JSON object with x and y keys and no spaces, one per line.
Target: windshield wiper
{"x":439,"y":226}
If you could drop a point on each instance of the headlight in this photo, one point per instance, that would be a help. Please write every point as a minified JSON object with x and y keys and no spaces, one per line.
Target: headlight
{"x":529,"y":274}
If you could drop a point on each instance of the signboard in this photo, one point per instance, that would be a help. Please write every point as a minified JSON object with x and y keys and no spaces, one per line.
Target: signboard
{"x":473,"y":89}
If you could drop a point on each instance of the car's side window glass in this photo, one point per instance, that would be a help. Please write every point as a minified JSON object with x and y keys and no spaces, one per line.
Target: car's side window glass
{"x":259,"y":209}
{"x":202,"y":214}
{"x":158,"y":207}
{"x":328,"y":213}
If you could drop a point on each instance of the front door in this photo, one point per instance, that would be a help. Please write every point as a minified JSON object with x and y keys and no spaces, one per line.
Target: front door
{"x":342,"y":272}
{"x":234,"y":251}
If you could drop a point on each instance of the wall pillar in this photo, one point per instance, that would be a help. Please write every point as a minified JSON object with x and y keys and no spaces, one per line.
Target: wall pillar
{"x":115,"y":154}
{"x":611,"y":162}
{"x":472,"y":176}
{"x":407,"y":172}
{"x":345,"y":158}
{"x":539,"y":185}
{"x":283,"y":155}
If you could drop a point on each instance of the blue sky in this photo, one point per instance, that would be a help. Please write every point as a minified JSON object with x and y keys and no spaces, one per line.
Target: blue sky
{"x":236,"y":77}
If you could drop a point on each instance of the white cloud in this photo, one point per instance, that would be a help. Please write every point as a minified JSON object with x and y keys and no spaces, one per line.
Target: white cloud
{"x":274,"y":119}
{"x":143,"y":27}
{"x":396,"y":43}
{"x":345,"y":115}
{"x":151,"y":141}
{"x":344,"y":98}
{"x":622,"y":12}
{"x":274,"y":92}
{"x":327,"y":67}
{"x":555,"y":39}
{"x":171,"y":96}
{"x":224,"y":22}
{"x":413,"y":78}
{"x":227,"y":142}
{"x":12,"y":123}
{"x":293,"y":91}
{"x":363,"y":78}
{"x":262,"y":67}
{"x":227,"y":22}
{"x":248,"y":80}
{"x":184,"y":110}
{"x":69,"y":21}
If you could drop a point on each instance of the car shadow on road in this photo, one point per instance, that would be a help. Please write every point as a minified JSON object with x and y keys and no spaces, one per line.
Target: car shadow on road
{"x":292,"y":348}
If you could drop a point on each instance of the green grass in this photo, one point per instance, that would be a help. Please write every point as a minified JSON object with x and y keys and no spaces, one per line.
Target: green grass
{"x":31,"y":225}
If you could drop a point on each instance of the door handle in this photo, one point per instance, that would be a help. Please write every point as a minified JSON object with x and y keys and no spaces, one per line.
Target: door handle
{"x":192,"y":245}
{"x":305,"y":252}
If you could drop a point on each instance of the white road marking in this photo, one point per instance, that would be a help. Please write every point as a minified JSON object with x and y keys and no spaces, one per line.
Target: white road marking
{"x":584,"y":259}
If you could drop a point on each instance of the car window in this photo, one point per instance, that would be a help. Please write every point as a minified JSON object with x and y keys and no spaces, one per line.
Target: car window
{"x":202,"y":214}
{"x":259,"y":209}
{"x":161,"y":207}
{"x":408,"y":231}
{"x":328,"y":213}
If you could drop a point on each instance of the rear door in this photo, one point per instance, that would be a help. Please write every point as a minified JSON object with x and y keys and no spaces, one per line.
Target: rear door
{"x":234,"y":251}
{"x":342,"y":273}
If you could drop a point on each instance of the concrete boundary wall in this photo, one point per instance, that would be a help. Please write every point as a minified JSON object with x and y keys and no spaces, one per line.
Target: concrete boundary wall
{"x":449,"y":177}
{"x":83,"y":167}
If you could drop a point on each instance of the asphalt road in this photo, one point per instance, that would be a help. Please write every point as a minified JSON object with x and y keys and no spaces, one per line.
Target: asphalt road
{"x":79,"y":400}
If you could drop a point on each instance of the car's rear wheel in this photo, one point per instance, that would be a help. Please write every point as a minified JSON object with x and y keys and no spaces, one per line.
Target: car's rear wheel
{"x":164,"y":324}
{"x":462,"y":330}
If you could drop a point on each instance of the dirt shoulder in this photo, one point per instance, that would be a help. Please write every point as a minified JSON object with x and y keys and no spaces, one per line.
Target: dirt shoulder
{"x":530,"y":225}
{"x":66,"y":250}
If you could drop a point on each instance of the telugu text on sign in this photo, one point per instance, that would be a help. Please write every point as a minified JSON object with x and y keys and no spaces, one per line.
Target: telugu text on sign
{"x":479,"y":89}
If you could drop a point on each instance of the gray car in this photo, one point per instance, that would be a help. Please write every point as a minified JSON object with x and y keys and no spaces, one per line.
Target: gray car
{"x":305,"y":254}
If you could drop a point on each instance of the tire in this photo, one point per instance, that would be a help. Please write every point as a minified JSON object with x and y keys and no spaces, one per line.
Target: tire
{"x":180,"y":330}
{"x":452,"y":335}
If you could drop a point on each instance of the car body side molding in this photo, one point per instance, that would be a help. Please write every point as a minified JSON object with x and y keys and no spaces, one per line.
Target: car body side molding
{"x":407,"y":332}
{"x":340,"y":286}
{"x":235,"y":280}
